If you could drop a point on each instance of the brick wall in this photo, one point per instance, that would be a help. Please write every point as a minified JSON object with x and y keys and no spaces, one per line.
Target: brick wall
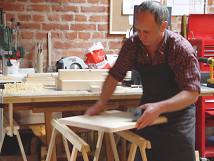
{"x":75,"y":26}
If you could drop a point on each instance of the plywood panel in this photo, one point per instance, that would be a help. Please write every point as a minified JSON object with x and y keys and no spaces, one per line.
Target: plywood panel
{"x":109,"y":121}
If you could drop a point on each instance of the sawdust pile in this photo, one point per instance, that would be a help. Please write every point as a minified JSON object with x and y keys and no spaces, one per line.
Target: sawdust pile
{"x":23,"y":87}
{"x":6,"y":77}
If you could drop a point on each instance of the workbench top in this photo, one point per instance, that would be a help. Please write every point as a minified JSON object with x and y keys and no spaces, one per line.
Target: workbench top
{"x":51,"y":94}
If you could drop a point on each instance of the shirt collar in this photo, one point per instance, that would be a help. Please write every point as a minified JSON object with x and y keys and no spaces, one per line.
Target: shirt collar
{"x":161,"y":49}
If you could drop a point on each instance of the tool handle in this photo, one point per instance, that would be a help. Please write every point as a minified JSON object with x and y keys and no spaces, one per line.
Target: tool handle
{"x":203,"y":60}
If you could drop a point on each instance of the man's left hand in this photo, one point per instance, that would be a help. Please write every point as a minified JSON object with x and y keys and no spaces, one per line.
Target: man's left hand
{"x":150,"y":114}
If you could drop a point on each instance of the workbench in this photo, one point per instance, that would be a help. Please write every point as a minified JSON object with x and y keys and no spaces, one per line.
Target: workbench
{"x":51,"y":100}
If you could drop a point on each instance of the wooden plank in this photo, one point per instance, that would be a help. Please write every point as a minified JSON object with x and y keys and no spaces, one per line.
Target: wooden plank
{"x":82,"y":74}
{"x":78,"y":85}
{"x":109,"y":121}
{"x":37,"y":75}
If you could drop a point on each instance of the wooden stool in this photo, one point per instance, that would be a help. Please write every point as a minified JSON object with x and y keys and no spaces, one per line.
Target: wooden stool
{"x":7,"y":129}
{"x":82,"y":146}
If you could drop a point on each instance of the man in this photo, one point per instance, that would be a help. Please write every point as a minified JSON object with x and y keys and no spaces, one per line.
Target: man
{"x":170,"y":75}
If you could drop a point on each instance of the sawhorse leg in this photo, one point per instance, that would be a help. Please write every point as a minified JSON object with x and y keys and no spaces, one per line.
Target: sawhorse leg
{"x":136,"y":141}
{"x":75,"y":140}
{"x":14,"y":130}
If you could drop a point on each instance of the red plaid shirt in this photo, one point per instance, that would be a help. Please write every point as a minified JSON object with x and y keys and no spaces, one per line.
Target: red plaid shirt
{"x":181,"y":59}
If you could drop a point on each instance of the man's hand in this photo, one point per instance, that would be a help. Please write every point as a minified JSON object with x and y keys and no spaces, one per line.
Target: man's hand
{"x":94,"y":110}
{"x":150,"y":114}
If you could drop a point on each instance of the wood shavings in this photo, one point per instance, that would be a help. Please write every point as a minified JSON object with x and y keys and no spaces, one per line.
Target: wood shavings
{"x":23,"y":87}
{"x":6,"y":77}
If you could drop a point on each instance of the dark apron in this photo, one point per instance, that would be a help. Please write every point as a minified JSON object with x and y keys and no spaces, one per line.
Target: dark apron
{"x":175,"y":140}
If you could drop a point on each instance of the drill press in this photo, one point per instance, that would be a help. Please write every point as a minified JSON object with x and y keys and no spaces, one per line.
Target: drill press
{"x":7,"y":51}
{"x":210,"y":62}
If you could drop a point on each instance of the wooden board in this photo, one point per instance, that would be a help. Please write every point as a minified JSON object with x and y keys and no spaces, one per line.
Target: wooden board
{"x":78,"y":85}
{"x":109,"y":121}
{"x":82,"y":74}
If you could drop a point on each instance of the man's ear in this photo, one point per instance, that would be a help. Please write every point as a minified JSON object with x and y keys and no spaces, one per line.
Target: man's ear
{"x":163,"y":26}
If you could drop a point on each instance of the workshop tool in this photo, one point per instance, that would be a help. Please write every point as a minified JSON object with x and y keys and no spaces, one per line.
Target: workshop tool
{"x":49,"y":68}
{"x":136,"y":113}
{"x":210,"y":62}
{"x":7,"y":51}
{"x":39,"y":57}
{"x":71,"y":62}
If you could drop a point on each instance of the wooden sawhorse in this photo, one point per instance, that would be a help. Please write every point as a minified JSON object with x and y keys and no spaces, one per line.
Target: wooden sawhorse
{"x":82,"y":146}
{"x":14,"y":130}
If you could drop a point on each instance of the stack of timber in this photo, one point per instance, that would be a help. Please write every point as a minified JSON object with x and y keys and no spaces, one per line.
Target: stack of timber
{"x":81,"y":79}
{"x":44,"y":78}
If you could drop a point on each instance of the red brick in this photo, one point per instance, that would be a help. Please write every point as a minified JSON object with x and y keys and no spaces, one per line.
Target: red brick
{"x":66,"y":8}
{"x":115,"y":44}
{"x":29,"y":46}
{"x":8,"y":0}
{"x":84,"y":35}
{"x":210,"y":2}
{"x":9,"y":16}
{"x":72,"y":1}
{"x":80,"y":18}
{"x":79,"y":54}
{"x":30,"y":26}
{"x":105,"y":2}
{"x":71,"y":35}
{"x":211,"y":10}
{"x":67,"y":17}
{"x":53,"y":17}
{"x":62,"y":45}
{"x":41,"y":35}
{"x":52,"y":1}
{"x":173,"y":19}
{"x":26,"y":63}
{"x":37,"y":1}
{"x":107,"y":52}
{"x":27,"y":35}
{"x":98,"y":35}
{"x":55,"y":26}
{"x":38,"y":18}
{"x":81,"y":27}
{"x":24,"y":17}
{"x":103,"y":27}
{"x":61,"y":54}
{"x":12,"y":7}
{"x":57,"y":35}
{"x":93,"y":1}
{"x":40,"y":8}
{"x":98,"y":18}
{"x":93,"y":9}
{"x":81,"y":44}
{"x":22,"y":0}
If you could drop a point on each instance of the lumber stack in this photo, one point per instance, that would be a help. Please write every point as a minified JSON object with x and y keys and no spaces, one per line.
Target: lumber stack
{"x":81,"y":79}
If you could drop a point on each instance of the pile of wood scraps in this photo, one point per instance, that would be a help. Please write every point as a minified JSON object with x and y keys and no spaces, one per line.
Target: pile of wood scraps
{"x":81,"y":79}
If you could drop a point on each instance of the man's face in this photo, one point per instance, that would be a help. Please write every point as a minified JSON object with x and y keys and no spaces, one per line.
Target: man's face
{"x":149,"y":32}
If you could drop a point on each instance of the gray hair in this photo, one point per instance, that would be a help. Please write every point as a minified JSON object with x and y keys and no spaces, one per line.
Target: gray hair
{"x":159,"y":11}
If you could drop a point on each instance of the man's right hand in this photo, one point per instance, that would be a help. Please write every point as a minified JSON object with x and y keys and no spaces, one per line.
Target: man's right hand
{"x":94,"y":110}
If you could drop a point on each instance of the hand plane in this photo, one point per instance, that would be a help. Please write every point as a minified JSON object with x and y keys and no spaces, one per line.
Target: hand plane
{"x":136,"y":113}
